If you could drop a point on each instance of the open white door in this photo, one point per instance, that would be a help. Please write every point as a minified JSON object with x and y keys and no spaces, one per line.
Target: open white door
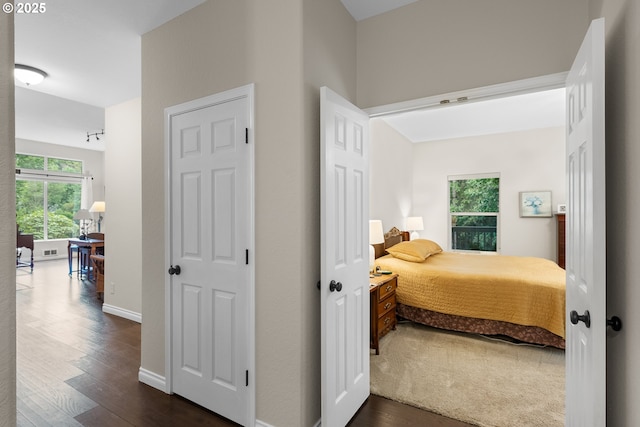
{"x":344,"y":286}
{"x":586,"y":243}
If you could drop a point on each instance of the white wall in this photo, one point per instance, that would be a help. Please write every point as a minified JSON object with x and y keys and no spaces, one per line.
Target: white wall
{"x":123,"y":216}
{"x":391,"y":176}
{"x":7,"y":227}
{"x":93,"y":163}
{"x":525,"y":161}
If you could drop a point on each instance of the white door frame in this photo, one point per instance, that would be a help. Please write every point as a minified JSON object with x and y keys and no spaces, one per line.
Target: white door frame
{"x":247,"y":92}
{"x":518,"y":87}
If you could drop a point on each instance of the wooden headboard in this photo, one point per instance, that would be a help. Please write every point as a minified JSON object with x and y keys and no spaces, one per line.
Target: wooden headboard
{"x":392,"y":237}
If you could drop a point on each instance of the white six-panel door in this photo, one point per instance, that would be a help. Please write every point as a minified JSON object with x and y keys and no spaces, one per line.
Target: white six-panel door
{"x":211,"y":242}
{"x":586,"y":238}
{"x":344,"y":286}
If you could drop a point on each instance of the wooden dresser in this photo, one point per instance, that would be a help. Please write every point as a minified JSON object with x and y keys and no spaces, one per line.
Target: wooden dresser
{"x":561,"y":227}
{"x":382,"y":292}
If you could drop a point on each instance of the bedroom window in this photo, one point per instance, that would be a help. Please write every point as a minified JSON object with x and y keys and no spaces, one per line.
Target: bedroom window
{"x":474,"y":212}
{"x":47,"y":196}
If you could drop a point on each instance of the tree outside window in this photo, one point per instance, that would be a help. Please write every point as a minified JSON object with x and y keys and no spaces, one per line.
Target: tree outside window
{"x":474,"y":212}
{"x":46,"y":202}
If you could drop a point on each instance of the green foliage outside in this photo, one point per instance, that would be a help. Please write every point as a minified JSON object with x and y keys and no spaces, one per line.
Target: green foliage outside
{"x":63,"y":199}
{"x":474,"y":196}
{"x":58,"y":226}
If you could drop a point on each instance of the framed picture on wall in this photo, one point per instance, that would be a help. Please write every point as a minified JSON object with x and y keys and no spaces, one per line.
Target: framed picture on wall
{"x":535,"y":204}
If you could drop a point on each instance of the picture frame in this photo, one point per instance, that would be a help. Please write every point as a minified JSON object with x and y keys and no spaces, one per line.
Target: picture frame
{"x":535,"y":204}
{"x":562,"y":208}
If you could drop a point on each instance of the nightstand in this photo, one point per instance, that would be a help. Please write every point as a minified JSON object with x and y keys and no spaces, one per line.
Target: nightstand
{"x":382,"y":293}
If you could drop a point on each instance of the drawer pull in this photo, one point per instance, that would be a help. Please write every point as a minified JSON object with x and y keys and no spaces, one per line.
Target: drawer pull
{"x":387,"y":305}
{"x":389,"y":287}
{"x":387,"y":320}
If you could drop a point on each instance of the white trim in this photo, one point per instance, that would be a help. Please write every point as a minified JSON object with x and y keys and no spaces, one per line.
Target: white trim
{"x":122,"y":312}
{"x":152,"y":379}
{"x":247,"y":92}
{"x":535,"y":84}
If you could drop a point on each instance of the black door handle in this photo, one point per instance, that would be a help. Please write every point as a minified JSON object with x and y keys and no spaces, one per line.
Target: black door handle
{"x":174,"y":270}
{"x":575,"y":318}
{"x":615,"y":322}
{"x":335,"y":286}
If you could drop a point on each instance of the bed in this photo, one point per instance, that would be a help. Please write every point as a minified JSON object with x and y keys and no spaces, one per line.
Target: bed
{"x":518,"y":297}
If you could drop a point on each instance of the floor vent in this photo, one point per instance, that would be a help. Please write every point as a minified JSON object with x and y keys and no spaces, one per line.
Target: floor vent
{"x":50,"y":252}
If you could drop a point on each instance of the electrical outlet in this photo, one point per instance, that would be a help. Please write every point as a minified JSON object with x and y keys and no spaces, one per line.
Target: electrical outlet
{"x":113,"y":288}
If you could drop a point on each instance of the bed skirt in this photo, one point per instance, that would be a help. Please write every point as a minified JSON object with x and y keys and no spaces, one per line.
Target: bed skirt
{"x":529,"y":334}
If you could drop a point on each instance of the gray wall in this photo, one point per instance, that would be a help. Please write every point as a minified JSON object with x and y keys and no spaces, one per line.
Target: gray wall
{"x":7,"y":227}
{"x":622,"y":23}
{"x":288,"y":49}
{"x":433,"y":47}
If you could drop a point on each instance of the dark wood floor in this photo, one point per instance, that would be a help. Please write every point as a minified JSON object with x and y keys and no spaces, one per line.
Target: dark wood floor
{"x":77,"y":366}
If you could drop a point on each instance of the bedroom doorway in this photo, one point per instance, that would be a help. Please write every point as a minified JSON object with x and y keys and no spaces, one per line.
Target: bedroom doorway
{"x":383,"y":184}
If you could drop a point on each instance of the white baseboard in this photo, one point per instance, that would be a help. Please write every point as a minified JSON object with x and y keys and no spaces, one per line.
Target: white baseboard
{"x":122,"y":312}
{"x":152,"y":379}
{"x":263,"y":424}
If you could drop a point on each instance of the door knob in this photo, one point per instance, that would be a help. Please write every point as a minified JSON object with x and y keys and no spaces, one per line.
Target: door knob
{"x":575,"y":318}
{"x":174,"y":270}
{"x":335,"y":286}
{"x":615,"y":322}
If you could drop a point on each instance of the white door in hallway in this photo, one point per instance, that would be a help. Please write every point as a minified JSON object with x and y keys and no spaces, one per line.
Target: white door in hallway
{"x":344,"y":285}
{"x":586,"y":235}
{"x":211,"y":244}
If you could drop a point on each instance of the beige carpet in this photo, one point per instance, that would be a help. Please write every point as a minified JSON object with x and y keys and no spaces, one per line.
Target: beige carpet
{"x":470,"y":378}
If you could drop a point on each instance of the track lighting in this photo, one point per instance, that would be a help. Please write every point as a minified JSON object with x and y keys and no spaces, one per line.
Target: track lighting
{"x":89,"y":135}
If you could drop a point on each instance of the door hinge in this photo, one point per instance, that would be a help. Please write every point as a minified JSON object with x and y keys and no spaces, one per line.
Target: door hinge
{"x":246,"y":135}
{"x":246,"y":377}
{"x":246,"y":256}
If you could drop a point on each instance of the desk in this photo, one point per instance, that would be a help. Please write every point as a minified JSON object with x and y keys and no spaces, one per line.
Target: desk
{"x":80,"y":243}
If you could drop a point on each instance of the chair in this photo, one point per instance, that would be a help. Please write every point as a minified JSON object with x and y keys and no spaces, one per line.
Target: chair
{"x":84,"y":254}
{"x":98,"y":266}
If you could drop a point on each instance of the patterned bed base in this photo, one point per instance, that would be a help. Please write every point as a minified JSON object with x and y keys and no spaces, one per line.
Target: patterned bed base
{"x":529,"y":334}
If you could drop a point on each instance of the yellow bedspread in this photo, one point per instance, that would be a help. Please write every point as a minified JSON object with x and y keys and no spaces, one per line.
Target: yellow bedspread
{"x":523,"y":290}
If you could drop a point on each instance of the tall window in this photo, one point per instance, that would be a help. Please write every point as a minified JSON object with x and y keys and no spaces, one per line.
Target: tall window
{"x":48,"y":192}
{"x":474,"y":212}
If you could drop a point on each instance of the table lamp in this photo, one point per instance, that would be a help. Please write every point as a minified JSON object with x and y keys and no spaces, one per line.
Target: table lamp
{"x":414,"y":224}
{"x":376,"y":236}
{"x":100,"y":208}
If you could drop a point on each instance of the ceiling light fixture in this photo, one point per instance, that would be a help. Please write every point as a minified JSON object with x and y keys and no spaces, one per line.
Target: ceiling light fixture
{"x":29,"y":75}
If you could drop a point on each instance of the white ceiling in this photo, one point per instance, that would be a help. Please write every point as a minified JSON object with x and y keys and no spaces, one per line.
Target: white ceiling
{"x":91,"y":50}
{"x":509,"y":114}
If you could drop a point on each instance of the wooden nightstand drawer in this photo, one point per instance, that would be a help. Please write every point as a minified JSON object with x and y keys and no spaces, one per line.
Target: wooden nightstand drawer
{"x":382,"y":293}
{"x":386,"y":305}
{"x":388,"y":288}
{"x":387,"y":322}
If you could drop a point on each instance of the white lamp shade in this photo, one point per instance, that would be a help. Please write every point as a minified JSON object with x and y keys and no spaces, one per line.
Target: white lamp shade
{"x":82,"y":214}
{"x":376,"y":235}
{"x":97,"y":207}
{"x":414,"y":223}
